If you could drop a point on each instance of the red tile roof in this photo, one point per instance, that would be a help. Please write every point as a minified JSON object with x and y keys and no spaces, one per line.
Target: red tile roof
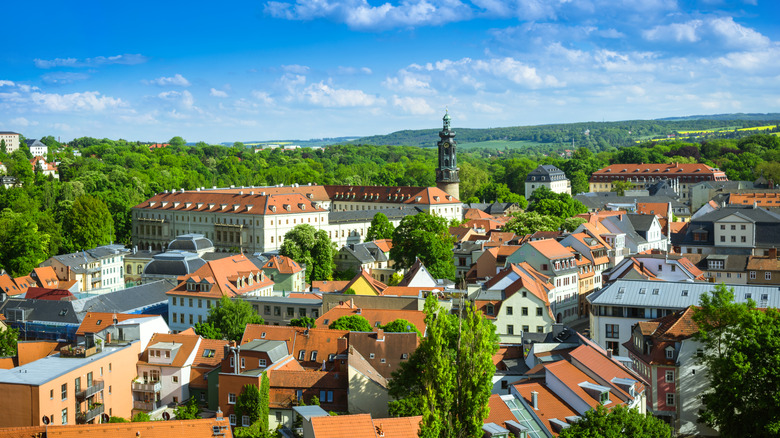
{"x":550,"y":248}
{"x":384,"y":244}
{"x":327,"y":286}
{"x":188,"y":344}
{"x":374,"y":316}
{"x":643,"y":170}
{"x":499,"y":411}
{"x":549,"y":404}
{"x":202,"y":428}
{"x":94,"y":322}
{"x":354,"y":426}
{"x":399,"y":427}
{"x":284,"y":265}
{"x":475,"y":213}
{"x":39,"y":293}
{"x":252,"y":202}
{"x":8,"y":285}
{"x":322,"y":340}
{"x":223,"y":275}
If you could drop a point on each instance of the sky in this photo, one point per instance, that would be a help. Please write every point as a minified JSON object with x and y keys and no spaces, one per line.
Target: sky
{"x":302,"y":69}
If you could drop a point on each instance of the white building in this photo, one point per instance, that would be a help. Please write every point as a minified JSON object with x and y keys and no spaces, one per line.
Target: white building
{"x":164,"y":371}
{"x":97,"y":270}
{"x":37,"y":149}
{"x":11,"y":140}
{"x":547,"y":175}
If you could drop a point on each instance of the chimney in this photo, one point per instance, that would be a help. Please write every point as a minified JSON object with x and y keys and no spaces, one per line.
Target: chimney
{"x":380,"y":335}
{"x":535,"y":400}
{"x":341,"y":345}
{"x":218,"y":414}
{"x":609,"y":353}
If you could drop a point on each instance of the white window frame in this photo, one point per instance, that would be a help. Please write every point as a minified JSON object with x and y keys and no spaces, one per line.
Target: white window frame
{"x":245,"y":421}
{"x":232,"y":419}
{"x":670,"y":396}
{"x":669,"y":378}
{"x":231,"y":398}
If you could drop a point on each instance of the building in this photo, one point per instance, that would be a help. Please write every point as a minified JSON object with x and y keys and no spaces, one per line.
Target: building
{"x":169,"y":265}
{"x":201,"y":428}
{"x":286,"y":274}
{"x":617,"y":307}
{"x":37,"y":149}
{"x":11,"y":140}
{"x":99,"y":269}
{"x":281,"y":309}
{"x":665,"y":354}
{"x":447,"y":172}
{"x":232,"y":277}
{"x":204,"y":372}
{"x":549,"y":176}
{"x":733,"y":230}
{"x":703,"y":192}
{"x":72,"y":387}
{"x":39,"y":163}
{"x":641,"y":175}
{"x":370,"y":256}
{"x":655,"y":265}
{"x":164,"y":371}
{"x":104,"y":327}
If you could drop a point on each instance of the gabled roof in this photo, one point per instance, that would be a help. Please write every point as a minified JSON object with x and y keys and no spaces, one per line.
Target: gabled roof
{"x":8,"y":286}
{"x":200,"y":428}
{"x":222,"y":275}
{"x":550,"y":248}
{"x":358,"y":425}
{"x":664,"y":332}
{"x":94,"y":322}
{"x":187,"y":345}
{"x":39,"y":293}
{"x":386,"y":352}
{"x":550,"y":406}
{"x":283,"y":264}
{"x":398,"y":427}
{"x":384,"y":244}
{"x":418,"y":275}
{"x":374,"y":316}
{"x":356,"y":361}
{"x":46,"y":277}
{"x":326,"y":286}
{"x":322,"y":340}
{"x":252,"y":202}
{"x":375,"y":284}
{"x":475,"y":213}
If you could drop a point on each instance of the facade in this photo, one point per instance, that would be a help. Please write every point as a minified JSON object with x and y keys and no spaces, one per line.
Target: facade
{"x":549,"y":176}
{"x":190,"y":301}
{"x":745,"y":230}
{"x":39,"y":163}
{"x":370,"y":256}
{"x":641,"y":175}
{"x":99,"y":269}
{"x":70,"y":387}
{"x":286,"y":274}
{"x":447,"y":172}
{"x":164,"y":371}
{"x":11,"y":140}
{"x":280,"y":309}
{"x":37,"y":149}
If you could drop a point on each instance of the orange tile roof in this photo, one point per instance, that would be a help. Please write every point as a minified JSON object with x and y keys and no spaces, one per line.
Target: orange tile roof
{"x":329,"y":286}
{"x":201,"y":428}
{"x":648,"y":169}
{"x":665,"y":331}
{"x":305,"y":295}
{"x":209,"y":201}
{"x":47,"y":277}
{"x":406,"y":291}
{"x":475,"y":213}
{"x":322,"y":340}
{"x":354,"y":426}
{"x":766,"y":199}
{"x":94,"y":322}
{"x":656,"y":208}
{"x":284,"y":265}
{"x":604,"y":367}
{"x":374,"y":316}
{"x":499,"y":411}
{"x":8,"y":286}
{"x":550,"y":248}
{"x":762,"y":263}
{"x":384,"y":244}
{"x":205,"y":363}
{"x":389,"y":194}
{"x":571,"y":377}
{"x":399,"y":427}
{"x":188,"y":344}
{"x":25,"y":282}
{"x":486,"y":224}
{"x":222,"y":275}
{"x":549,"y":404}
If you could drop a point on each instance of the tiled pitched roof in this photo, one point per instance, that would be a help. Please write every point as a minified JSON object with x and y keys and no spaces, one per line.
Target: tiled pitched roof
{"x":361,"y":365}
{"x":94,"y":322}
{"x":374,"y":316}
{"x":664,"y":332}
{"x":549,"y":404}
{"x":384,"y":244}
{"x":188,"y":344}
{"x":475,"y":213}
{"x":656,"y":208}
{"x":222,"y":275}
{"x":201,"y":428}
{"x":386,"y":352}
{"x":550,"y":248}
{"x":763,"y":263}
{"x":327,"y":286}
{"x":39,"y":293}
{"x":393,"y":194}
{"x":8,"y":286}
{"x":399,"y":427}
{"x":604,"y":367}
{"x":499,"y":411}
{"x":375,"y":284}
{"x":30,"y":351}
{"x":305,"y":295}
{"x":571,"y":377}
{"x":252,"y":202}
{"x":354,"y":426}
{"x":284,"y":265}
{"x":322,"y":340}
{"x":209,"y":356}
{"x":46,"y":277}
{"x":638,"y":170}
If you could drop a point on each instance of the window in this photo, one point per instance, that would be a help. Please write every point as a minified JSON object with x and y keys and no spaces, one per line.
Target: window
{"x":65,"y":416}
{"x":277,"y":311}
{"x":669,"y":376}
{"x":371,"y":355}
{"x":510,"y":329}
{"x":670,"y":399}
{"x":232,"y":362}
{"x":604,"y":397}
{"x":613,"y":346}
{"x":767,"y":275}
{"x":109,"y":389}
{"x":299,"y":394}
{"x":51,"y":394}
{"x":509,"y":310}
{"x":538,"y":311}
{"x":314,"y":355}
{"x":613,"y":331}
{"x":539,"y":329}
{"x":302,"y":355}
{"x":261,"y":362}
{"x":670,"y":353}
{"x":278,"y":417}
{"x":232,"y":419}
{"x":245,"y":420}
{"x":64,"y":389}
{"x":231,"y":398}
{"x":722,"y":238}
{"x":175,"y":379}
{"x":743,"y":239}
{"x":524,"y":311}
{"x":490,"y":309}
{"x":525,"y":328}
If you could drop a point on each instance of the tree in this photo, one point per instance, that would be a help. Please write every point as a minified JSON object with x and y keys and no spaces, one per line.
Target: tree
{"x":447,"y":379}
{"x":228,"y":319}
{"x":89,"y":223}
{"x":395,"y":279}
{"x":23,"y":246}
{"x":619,"y":422}
{"x":304,"y":321}
{"x":620,"y":187}
{"x":353,"y":323}
{"x":248,"y":403}
{"x":8,"y":342}
{"x":141,"y":417}
{"x":572,"y":223}
{"x":113,"y":419}
{"x":425,"y":237}
{"x":313,"y":248}
{"x":523,"y":223}
{"x":265,"y":400}
{"x":742,"y":355}
{"x":561,"y":205}
{"x":187,"y":411}
{"x":380,"y":228}
{"x":177,"y":141}
{"x":401,"y":325}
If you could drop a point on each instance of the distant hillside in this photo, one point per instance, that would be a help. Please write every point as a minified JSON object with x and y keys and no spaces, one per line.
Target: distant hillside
{"x":314,"y":142}
{"x":737,"y":116}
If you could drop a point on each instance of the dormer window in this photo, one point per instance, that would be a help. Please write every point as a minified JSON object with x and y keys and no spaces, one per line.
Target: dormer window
{"x":490,"y":309}
{"x":670,"y":353}
{"x":604,"y":397}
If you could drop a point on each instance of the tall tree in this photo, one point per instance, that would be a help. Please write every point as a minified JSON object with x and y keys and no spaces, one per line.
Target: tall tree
{"x":523,"y":223}
{"x":561,"y":205}
{"x":265,"y":400}
{"x":353,"y":323}
{"x":447,"y":379}
{"x":229,"y":319}
{"x":248,"y":403}
{"x":427,"y":237}
{"x":313,"y":248}
{"x":24,"y":247}
{"x":8,"y":342}
{"x":619,"y":422}
{"x":401,"y":326}
{"x":89,"y":223}
{"x":380,"y":228}
{"x":742,"y":356}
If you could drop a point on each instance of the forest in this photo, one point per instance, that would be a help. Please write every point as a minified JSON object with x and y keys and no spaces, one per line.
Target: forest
{"x":102,"y":179}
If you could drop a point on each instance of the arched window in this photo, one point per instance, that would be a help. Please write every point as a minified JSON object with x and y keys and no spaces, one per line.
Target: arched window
{"x":129,"y":269}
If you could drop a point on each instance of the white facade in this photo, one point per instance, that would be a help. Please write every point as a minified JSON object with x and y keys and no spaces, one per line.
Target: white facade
{"x":173,"y":380}
{"x":38,"y":150}
{"x":11,"y":141}
{"x":185,"y":312}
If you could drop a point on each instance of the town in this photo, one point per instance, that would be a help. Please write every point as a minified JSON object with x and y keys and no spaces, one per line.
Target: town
{"x":319,"y":310}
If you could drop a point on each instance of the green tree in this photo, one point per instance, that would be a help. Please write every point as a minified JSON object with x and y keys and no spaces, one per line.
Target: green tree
{"x":561,"y":205}
{"x":313,"y":248}
{"x":207,"y":330}
{"x":425,"y":237}
{"x":177,"y":141}
{"x":265,"y":400}
{"x":523,"y":223}
{"x":380,"y":228}
{"x":141,"y":417}
{"x":229,"y":318}
{"x":248,"y":403}
{"x":572,"y":223}
{"x":742,"y":355}
{"x":187,"y":411}
{"x":395,"y":279}
{"x":23,"y":246}
{"x":113,"y":419}
{"x":620,"y":187}
{"x":401,"y":326}
{"x":353,"y":323}
{"x":619,"y":422}
{"x":89,"y":223}
{"x":8,"y":342}
{"x":304,"y":321}
{"x":447,"y":379}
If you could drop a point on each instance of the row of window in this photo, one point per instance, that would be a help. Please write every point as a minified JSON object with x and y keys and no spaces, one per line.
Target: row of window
{"x":77,"y":385}
{"x":290,"y":311}
{"x":180,"y":318}
{"x":191,"y":301}
{"x":510,"y":311}
{"x":510,"y":329}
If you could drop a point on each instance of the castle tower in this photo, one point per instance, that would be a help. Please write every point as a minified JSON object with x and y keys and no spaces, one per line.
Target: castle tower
{"x":447,"y":173}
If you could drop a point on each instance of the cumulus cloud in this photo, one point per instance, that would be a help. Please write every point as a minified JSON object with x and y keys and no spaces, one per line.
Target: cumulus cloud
{"x":176,"y":79}
{"x":295,"y":68}
{"x":217,"y":93}
{"x":4,"y":83}
{"x":723,"y":31}
{"x":409,"y":82}
{"x":322,"y":94}
{"x":22,"y":122}
{"x":359,"y":14}
{"x":86,"y":101}
{"x":353,"y":70}
{"x":126,"y":59}
{"x":413,"y":105}
{"x":183,"y":99}
{"x":466,"y":71}
{"x":262,"y":96}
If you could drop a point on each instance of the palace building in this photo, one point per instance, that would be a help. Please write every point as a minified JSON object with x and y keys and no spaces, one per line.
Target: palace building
{"x":683,"y":175}
{"x":255,"y":219}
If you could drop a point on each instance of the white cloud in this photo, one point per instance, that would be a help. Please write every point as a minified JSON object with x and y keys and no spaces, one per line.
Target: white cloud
{"x":485,"y":108}
{"x":64,"y":77}
{"x":322,"y":94}
{"x":413,"y":105}
{"x":22,"y":122}
{"x":217,"y":93}
{"x":295,"y":68}
{"x":517,"y":72}
{"x":183,"y":98}
{"x":353,"y":70}
{"x":4,"y":83}
{"x":126,"y":59}
{"x":86,"y":101}
{"x":721,"y":31}
{"x":176,"y":79}
{"x":408,"y":82}
{"x":262,"y":96}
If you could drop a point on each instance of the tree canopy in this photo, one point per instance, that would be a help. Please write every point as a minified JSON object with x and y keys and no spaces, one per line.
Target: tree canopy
{"x":303,"y":321}
{"x":228,"y":319}
{"x":313,"y":248}
{"x":401,"y":326}
{"x":447,"y":379}
{"x":380,"y":228}
{"x":353,"y":323}
{"x":8,"y":342}
{"x":546,"y":202}
{"x":742,"y":356}
{"x":426,"y":237}
{"x":618,"y":422}
{"x":187,"y":411}
{"x":23,"y":245}
{"x":89,"y":223}
{"x":523,"y":223}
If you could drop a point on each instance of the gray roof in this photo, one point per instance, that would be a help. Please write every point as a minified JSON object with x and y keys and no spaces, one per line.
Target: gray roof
{"x":284,"y":300}
{"x":726,"y":185}
{"x":190,"y":242}
{"x":275,"y":349}
{"x":45,"y":370}
{"x":396,"y":213}
{"x":641,"y":222}
{"x":676,"y":294}
{"x":767,"y":225}
{"x":365,"y":252}
{"x":546,"y":172}
{"x":174,"y":263}
{"x":597,"y":200}
{"x":307,"y":412}
{"x":625,"y":226}
{"x":35,"y":142}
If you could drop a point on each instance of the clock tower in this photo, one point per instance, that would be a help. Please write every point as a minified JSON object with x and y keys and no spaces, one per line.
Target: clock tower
{"x":447,"y":173}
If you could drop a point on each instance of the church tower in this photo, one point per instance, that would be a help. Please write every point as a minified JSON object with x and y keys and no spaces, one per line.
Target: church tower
{"x":447,"y":173}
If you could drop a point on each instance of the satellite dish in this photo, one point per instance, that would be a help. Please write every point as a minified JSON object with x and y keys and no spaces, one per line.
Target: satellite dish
{"x":166,"y":416}
{"x":46,"y":420}
{"x":104,"y":418}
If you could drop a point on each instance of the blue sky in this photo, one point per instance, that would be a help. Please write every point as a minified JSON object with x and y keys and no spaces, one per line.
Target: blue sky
{"x":299,"y":69}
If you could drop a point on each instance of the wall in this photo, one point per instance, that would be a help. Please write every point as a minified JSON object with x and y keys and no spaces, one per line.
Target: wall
{"x":330,"y":301}
{"x":365,"y":396}
{"x":692,"y":382}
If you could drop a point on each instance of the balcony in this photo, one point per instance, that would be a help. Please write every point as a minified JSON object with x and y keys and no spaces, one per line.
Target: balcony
{"x":147,"y":386}
{"x":90,"y":415}
{"x":97,"y":386}
{"x":79,"y":351}
{"x":146,"y":406}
